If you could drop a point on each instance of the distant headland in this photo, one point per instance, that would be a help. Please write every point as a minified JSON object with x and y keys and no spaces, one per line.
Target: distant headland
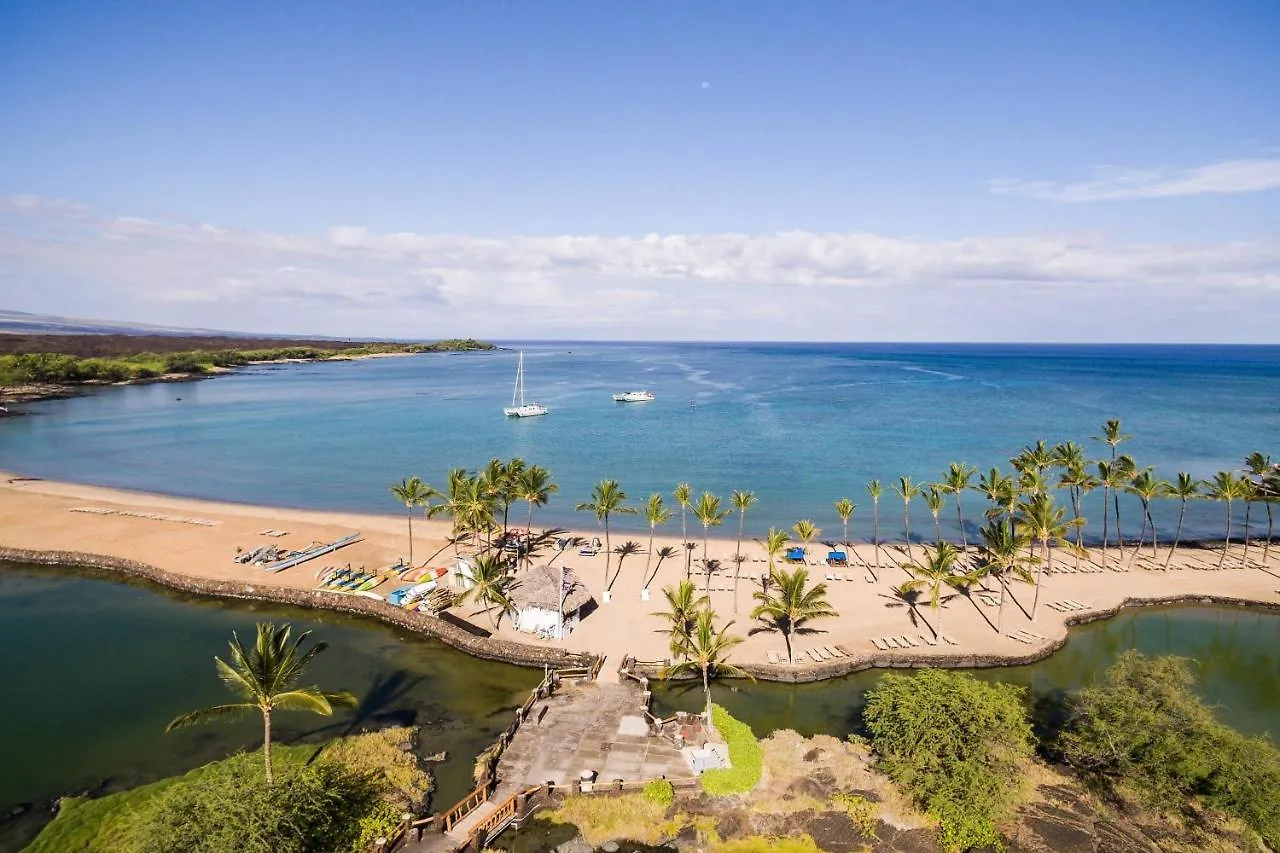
{"x":47,"y":366}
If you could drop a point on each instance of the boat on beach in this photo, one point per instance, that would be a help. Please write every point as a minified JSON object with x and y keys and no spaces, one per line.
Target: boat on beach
{"x":633,"y":397}
{"x":521,"y":409}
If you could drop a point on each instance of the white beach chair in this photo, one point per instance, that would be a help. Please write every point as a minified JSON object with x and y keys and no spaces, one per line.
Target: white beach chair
{"x":833,"y":652}
{"x":930,"y":640}
{"x":880,"y":644}
{"x":946,"y":639}
{"x":910,"y":642}
{"x":773,"y":657}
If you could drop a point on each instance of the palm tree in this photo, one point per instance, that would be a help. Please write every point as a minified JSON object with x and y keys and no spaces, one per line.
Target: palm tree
{"x":875,"y":492}
{"x":1109,"y":477}
{"x":1001,"y":491}
{"x":684,"y":495}
{"x":1259,"y":466}
{"x":844,"y":509}
{"x":955,"y":483}
{"x":1112,"y":436}
{"x":907,"y":490}
{"x":266,"y":678}
{"x":1147,"y":487}
{"x":934,"y":500}
{"x":1185,"y":487}
{"x":1001,"y":555}
{"x":793,"y":604}
{"x":742,"y":501}
{"x":934,"y":573}
{"x":1038,"y":458}
{"x":683,"y":603}
{"x":1043,"y":521}
{"x":706,"y":651}
{"x":412,"y":492}
{"x":534,"y":487}
{"x":708,"y":512}
{"x":607,"y":499}
{"x":500,"y":482}
{"x":774,"y":542}
{"x":806,"y":531}
{"x":1225,"y":486}
{"x":657,"y":514}
{"x":493,"y":585}
{"x":1078,"y":482}
{"x":1124,"y":470}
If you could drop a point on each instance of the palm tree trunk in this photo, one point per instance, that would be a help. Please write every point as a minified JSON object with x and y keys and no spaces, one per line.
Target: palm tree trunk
{"x":1000,"y":609}
{"x":1115,"y":496}
{"x":1177,"y":534}
{"x":1244,"y":560}
{"x":906,"y":529}
{"x":1075,"y":508}
{"x":964,"y":539}
{"x":411,"y":535}
{"x":1227,"y":545}
{"x":1266,"y":549}
{"x":1147,"y":509}
{"x":706,"y":561}
{"x":648,"y":558}
{"x":706,"y":688}
{"x":684,"y":537}
{"x":266,"y":743}
{"x":1047,"y":565}
{"x":607,"y":552}
{"x":786,"y":638}
{"x":1106,"y":503}
{"x":937,"y":531}
{"x":528,"y":536}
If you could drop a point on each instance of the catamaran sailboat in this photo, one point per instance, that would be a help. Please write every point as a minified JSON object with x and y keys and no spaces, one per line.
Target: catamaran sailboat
{"x":634,"y":397}
{"x":522,"y":409}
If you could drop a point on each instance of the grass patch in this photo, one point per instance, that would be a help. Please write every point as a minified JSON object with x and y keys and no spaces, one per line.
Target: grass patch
{"x":659,"y":792}
{"x":630,"y":817}
{"x":744,"y":754}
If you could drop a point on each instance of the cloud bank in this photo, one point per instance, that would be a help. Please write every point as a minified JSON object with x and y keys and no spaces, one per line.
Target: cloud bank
{"x":1114,"y":182}
{"x":60,"y":257}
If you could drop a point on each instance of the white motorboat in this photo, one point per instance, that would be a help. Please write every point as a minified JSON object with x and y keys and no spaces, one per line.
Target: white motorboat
{"x":633,"y":397}
{"x":519,"y":408}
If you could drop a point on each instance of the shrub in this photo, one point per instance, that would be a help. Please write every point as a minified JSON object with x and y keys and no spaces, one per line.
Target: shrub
{"x":1145,"y":727}
{"x":632,"y":817}
{"x":860,"y":810}
{"x":386,"y":758}
{"x":744,"y":754}
{"x":769,"y":844}
{"x":660,"y":792}
{"x":955,"y":745}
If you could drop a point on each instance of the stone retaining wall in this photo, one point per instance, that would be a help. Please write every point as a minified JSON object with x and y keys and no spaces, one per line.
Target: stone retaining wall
{"x":491,"y":648}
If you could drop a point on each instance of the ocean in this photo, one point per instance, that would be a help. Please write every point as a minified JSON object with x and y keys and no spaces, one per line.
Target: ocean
{"x":801,"y":425}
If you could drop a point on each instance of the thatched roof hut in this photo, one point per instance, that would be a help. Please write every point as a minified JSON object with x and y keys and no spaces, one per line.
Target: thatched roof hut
{"x":539,"y":588}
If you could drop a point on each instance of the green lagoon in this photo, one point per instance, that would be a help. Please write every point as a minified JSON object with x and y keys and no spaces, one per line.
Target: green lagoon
{"x":98,"y":667}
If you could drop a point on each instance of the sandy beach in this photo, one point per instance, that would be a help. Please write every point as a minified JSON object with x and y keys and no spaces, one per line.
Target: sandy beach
{"x":199,"y":539}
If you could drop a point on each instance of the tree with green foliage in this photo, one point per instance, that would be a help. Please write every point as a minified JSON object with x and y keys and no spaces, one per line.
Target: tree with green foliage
{"x":705,"y":651}
{"x":1002,"y":555}
{"x":607,"y":499}
{"x":955,"y":483}
{"x":934,"y":500}
{"x":709,"y":514}
{"x":956,"y":746}
{"x":742,"y":501}
{"x":1045,"y":522}
{"x":413,"y":493}
{"x":774,"y":543}
{"x":535,"y":488}
{"x":1228,"y":488}
{"x":790,"y":604}
{"x":492,"y":585}
{"x":875,"y":491}
{"x":266,"y":677}
{"x":683,"y":605}
{"x":1184,"y":488}
{"x":806,"y":531}
{"x":934,"y":572}
{"x":1258,"y":467}
{"x":844,"y":509}
{"x":908,"y":491}
{"x":1147,"y":487}
{"x":683,"y":494}
{"x":657,"y":514}
{"x":1144,"y":728}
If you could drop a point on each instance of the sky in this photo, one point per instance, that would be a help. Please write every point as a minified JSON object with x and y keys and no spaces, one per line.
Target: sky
{"x":937,"y":171}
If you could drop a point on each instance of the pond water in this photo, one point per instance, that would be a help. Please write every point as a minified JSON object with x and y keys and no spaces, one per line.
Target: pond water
{"x":1237,"y":654}
{"x":96,"y":669}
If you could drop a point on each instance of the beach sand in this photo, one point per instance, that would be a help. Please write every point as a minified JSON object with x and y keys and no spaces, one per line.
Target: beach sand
{"x":38,"y":515}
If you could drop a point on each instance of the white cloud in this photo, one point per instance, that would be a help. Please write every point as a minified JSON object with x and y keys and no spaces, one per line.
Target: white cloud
{"x":59,"y":258}
{"x":1113,"y":182}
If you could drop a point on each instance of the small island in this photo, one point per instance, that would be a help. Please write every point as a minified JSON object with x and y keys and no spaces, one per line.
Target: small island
{"x":49,"y":366}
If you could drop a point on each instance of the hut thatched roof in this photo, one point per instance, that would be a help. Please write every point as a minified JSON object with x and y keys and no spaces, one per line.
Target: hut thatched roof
{"x":540,"y":587}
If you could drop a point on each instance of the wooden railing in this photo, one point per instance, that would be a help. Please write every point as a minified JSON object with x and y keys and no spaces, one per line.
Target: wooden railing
{"x":466,"y":806}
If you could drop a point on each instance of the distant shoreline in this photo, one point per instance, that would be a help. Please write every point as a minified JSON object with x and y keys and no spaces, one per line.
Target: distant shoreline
{"x":130,"y":361}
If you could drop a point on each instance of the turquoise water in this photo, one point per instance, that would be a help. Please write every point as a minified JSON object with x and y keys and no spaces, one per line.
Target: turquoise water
{"x":95,"y":669}
{"x":1237,"y":654}
{"x":801,"y":425}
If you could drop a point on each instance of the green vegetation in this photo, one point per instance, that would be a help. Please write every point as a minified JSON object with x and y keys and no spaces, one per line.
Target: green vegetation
{"x":631,"y":816}
{"x":861,"y":811}
{"x":955,"y":745}
{"x":660,"y":792}
{"x":744,"y":754}
{"x":266,"y":678}
{"x":768,"y":844}
{"x":37,"y":368}
{"x":357,"y":787}
{"x":1143,"y":728}
{"x":794,"y":603}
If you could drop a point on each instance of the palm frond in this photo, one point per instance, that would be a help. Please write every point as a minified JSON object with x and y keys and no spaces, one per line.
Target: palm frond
{"x":211,"y":715}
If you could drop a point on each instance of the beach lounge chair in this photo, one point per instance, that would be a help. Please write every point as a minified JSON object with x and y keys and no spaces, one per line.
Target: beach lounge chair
{"x":880,"y":644}
{"x":773,"y":657}
{"x":930,"y":640}
{"x":947,"y":640}
{"x":837,"y":558}
{"x":910,"y":642}
{"x":795,"y":555}
{"x":832,"y":653}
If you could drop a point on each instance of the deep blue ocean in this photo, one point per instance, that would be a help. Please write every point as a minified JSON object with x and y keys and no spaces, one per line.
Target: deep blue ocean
{"x":799,"y":424}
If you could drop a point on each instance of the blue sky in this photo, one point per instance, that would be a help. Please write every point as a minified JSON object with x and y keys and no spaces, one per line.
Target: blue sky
{"x":816,"y":170}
